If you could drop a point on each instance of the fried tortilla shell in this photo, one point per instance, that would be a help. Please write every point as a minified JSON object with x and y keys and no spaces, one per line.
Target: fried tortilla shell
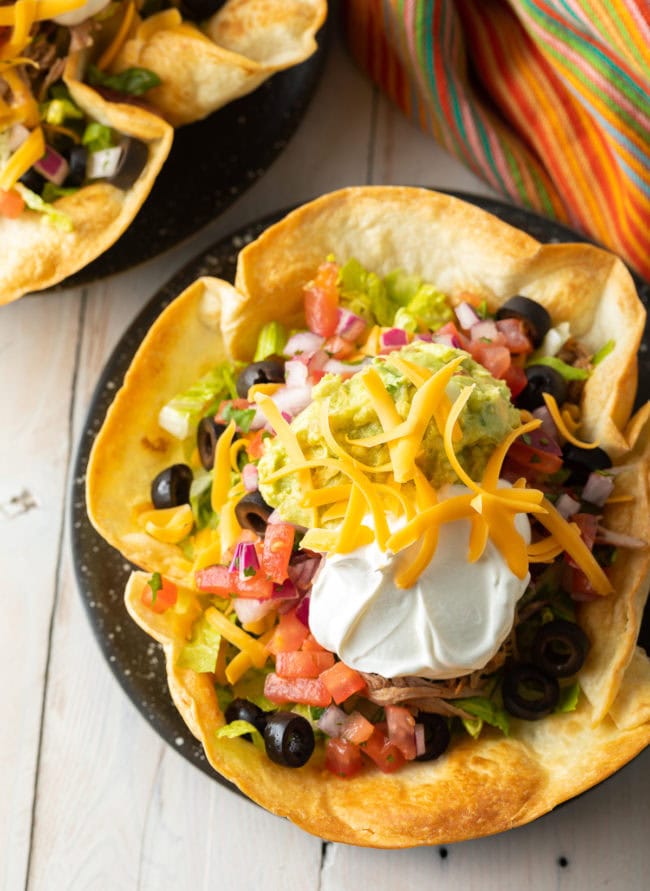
{"x":240,"y":47}
{"x":34,"y":254}
{"x":479,"y":787}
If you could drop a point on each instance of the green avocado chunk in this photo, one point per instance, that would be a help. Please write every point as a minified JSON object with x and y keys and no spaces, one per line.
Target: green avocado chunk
{"x":486,"y":419}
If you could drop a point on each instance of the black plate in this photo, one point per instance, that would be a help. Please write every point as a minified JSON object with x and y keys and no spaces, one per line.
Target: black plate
{"x":210,"y":165}
{"x":102,"y":573}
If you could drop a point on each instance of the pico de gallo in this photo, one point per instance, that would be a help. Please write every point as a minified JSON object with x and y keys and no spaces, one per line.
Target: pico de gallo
{"x":277,"y":685}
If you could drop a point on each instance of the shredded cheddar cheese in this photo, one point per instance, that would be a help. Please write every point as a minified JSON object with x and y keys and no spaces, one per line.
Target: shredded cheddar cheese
{"x":561,"y":424}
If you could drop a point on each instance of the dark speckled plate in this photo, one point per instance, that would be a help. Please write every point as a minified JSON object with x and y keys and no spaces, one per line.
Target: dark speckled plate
{"x":102,"y":573}
{"x":210,"y":165}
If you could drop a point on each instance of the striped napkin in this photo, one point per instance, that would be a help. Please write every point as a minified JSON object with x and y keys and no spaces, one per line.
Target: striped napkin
{"x":547,"y":100}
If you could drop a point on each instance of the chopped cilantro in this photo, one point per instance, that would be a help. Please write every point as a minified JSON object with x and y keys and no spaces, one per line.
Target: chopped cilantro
{"x":243,"y":417}
{"x":155,"y":583}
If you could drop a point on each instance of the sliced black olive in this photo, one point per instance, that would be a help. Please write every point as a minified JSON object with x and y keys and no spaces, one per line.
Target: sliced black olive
{"x":245,"y":710}
{"x":528,"y":693}
{"x":207,"y":436}
{"x":532,"y":314}
{"x":33,"y":180}
{"x":560,"y":648}
{"x":172,"y":486}
{"x":289,"y":739}
{"x":133,"y":159}
{"x":541,"y":379}
{"x":269,"y":371}
{"x":77,"y":160}
{"x":436,"y":736}
{"x":582,"y":462}
{"x":252,"y":512}
{"x":197,"y":10}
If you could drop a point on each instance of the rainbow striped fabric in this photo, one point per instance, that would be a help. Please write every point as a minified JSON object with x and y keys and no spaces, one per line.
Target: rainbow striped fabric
{"x":547,"y":100}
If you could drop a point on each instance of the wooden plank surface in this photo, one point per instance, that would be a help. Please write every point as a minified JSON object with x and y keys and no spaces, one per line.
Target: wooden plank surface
{"x":91,"y":798}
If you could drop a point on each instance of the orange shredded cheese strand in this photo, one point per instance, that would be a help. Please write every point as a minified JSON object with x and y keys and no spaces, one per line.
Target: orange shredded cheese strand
{"x":426,"y":496}
{"x":327,"y":495}
{"x":347,"y":538}
{"x":253,"y":648}
{"x":22,"y":159}
{"x":221,"y":469}
{"x":444,"y":512}
{"x":169,"y":525}
{"x":338,"y":451}
{"x":495,"y":462}
{"x":44,"y":9}
{"x":554,"y":411}
{"x":111,"y":51}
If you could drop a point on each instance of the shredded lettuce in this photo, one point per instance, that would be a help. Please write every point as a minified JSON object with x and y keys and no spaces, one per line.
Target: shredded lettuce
{"x":200,"y":501}
{"x":60,"y":109}
{"x":568,"y":372}
{"x":487,"y":711}
{"x":97,"y":137}
{"x":181,"y":415}
{"x":50,"y":214}
{"x":134,"y":81}
{"x":603,"y":352}
{"x":200,"y":652}
{"x":241,"y":728}
{"x":398,"y":299}
{"x":271,"y":341}
{"x":569,"y":696}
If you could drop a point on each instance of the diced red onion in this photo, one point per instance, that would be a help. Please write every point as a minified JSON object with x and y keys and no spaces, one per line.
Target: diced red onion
{"x":420,"y":742}
{"x":449,"y":340}
{"x":618,"y":539}
{"x":317,"y":361}
{"x":249,"y":477}
{"x":332,"y":721}
{"x":350,"y":326}
{"x":302,"y":611}
{"x":598,"y":488}
{"x":466,"y":315}
{"x":303,"y":342}
{"x":486,"y":330}
{"x":244,"y":559}
{"x":291,"y":400}
{"x":17,"y":135}
{"x":303,"y":568}
{"x":104,"y":163}
{"x":248,"y":609}
{"x":548,"y":424}
{"x":392,"y":339}
{"x":426,"y":336}
{"x":334,"y":366}
{"x":52,"y":166}
{"x":567,"y":506}
{"x":295,"y":373}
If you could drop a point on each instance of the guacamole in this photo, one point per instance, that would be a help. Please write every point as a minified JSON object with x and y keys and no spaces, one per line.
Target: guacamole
{"x":485,"y":421}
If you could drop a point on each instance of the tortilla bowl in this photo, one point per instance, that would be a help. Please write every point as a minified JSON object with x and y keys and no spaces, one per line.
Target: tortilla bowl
{"x":241,"y":46}
{"x":481,"y":786}
{"x":35,"y":254}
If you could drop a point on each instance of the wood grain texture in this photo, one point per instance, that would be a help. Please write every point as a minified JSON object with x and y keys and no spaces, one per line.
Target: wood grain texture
{"x":90,"y":797}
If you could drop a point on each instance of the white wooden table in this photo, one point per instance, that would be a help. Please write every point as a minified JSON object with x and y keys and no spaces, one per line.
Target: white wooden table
{"x":90,"y":797}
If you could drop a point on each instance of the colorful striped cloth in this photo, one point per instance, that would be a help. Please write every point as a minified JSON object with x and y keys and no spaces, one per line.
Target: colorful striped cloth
{"x":547,"y":100}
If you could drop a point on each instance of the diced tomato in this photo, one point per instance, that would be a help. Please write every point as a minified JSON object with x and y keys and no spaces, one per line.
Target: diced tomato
{"x":311,"y":644}
{"x":255,"y":445}
{"x":342,"y":682}
{"x":401,"y":730}
{"x":301,"y":664}
{"x":322,"y":301}
{"x":306,"y":691}
{"x":494,"y":357}
{"x":164,"y":597}
{"x":338,"y":348}
{"x":533,"y":459}
{"x":516,"y":339}
{"x":220,"y":581}
{"x":342,"y":758}
{"x":357,"y":729}
{"x":278,"y":544}
{"x":382,"y":751}
{"x":515,"y":378}
{"x":216,"y":580}
{"x":289,"y":634}
{"x":11,"y":203}
{"x":577,"y":584}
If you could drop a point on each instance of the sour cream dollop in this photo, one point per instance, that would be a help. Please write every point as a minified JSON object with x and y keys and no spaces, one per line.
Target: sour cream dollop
{"x":450,"y":623}
{"x":75,"y":16}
